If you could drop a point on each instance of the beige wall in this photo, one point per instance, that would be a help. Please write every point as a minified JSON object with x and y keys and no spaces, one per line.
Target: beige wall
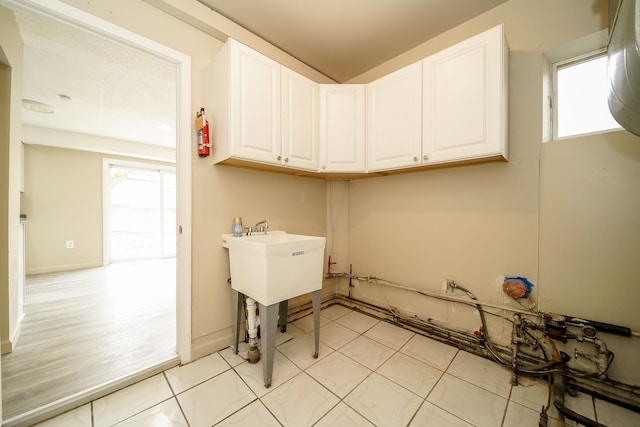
{"x":590,"y":236}
{"x":10,"y":155}
{"x":63,"y":201}
{"x":294,"y":204}
{"x":565,"y":214}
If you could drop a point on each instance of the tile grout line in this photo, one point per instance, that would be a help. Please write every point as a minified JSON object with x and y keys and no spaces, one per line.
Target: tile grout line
{"x":269,"y":410}
{"x":175,"y":396}
{"x":341,"y":399}
{"x":334,"y":350}
{"x":506,"y":407}
{"x":395,"y":352}
{"x":232,"y":368}
{"x":372,"y":371}
{"x":442,"y":409}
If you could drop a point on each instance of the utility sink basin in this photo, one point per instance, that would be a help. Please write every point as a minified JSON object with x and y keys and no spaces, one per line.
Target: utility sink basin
{"x":275,"y":266}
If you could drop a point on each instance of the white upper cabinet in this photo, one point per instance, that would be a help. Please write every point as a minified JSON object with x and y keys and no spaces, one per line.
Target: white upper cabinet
{"x":262,"y":111}
{"x":245,"y":123}
{"x":450,"y":107}
{"x":299,"y":121}
{"x":394,"y":120}
{"x":464,"y":93}
{"x":342,"y":128}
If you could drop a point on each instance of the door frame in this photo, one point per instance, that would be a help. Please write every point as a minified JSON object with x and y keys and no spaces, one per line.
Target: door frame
{"x":58,"y":10}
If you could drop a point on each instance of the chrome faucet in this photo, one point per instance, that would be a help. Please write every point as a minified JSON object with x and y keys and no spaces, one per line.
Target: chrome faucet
{"x":261,"y":226}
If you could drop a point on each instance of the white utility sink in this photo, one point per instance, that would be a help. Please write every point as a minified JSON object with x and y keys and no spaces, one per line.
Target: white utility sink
{"x":275,"y":266}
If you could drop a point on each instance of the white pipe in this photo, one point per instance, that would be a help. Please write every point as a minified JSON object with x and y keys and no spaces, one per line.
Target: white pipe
{"x":432,"y":294}
{"x":457,"y":299}
{"x":252,"y":319}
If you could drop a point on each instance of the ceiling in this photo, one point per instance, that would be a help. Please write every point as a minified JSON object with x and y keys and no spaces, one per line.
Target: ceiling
{"x":344,"y":38}
{"x":89,"y":84}
{"x":98,"y":86}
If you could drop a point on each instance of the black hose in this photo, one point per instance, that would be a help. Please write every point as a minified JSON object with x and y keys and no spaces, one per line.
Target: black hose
{"x":558,"y":402}
{"x":601,"y":326}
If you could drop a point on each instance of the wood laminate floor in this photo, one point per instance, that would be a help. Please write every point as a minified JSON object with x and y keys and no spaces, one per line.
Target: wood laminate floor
{"x":88,"y":327}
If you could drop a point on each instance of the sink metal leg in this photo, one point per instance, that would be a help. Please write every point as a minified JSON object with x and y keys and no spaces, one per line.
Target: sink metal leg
{"x":283,"y":314}
{"x":239,"y":300}
{"x":268,"y":330}
{"x":315,"y":299}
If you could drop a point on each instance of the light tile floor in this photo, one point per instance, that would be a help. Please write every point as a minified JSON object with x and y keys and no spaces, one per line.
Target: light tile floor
{"x":369,"y":373}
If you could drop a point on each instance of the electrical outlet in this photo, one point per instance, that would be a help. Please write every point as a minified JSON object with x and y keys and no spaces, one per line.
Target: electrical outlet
{"x":69,"y":244}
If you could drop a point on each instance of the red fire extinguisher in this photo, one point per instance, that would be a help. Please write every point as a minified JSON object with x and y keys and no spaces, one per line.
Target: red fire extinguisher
{"x":202,"y":126}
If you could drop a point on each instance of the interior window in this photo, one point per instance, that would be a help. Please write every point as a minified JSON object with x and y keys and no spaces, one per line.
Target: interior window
{"x":581,"y":87}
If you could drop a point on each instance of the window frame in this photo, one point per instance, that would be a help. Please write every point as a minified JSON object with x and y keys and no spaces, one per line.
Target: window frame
{"x":107,"y":163}
{"x":555,"y":66}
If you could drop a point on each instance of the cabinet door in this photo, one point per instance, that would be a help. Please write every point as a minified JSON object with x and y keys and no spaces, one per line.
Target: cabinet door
{"x":255,"y":105}
{"x":299,"y":121}
{"x":464,"y":100}
{"x":394,"y":120}
{"x":342,"y":128}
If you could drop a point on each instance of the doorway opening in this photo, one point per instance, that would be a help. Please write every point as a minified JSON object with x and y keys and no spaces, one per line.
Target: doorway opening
{"x":180,"y":329}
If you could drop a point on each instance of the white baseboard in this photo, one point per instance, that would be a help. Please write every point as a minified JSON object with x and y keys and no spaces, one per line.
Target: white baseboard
{"x":60,"y":268}
{"x":211,"y":343}
{"x":7,"y":345}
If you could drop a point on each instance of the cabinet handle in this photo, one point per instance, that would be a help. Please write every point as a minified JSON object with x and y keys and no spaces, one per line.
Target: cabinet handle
{"x":286,"y":159}
{"x":279,"y":158}
{"x":323,"y":167}
{"x":425,"y":157}
{"x":415,"y":158}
